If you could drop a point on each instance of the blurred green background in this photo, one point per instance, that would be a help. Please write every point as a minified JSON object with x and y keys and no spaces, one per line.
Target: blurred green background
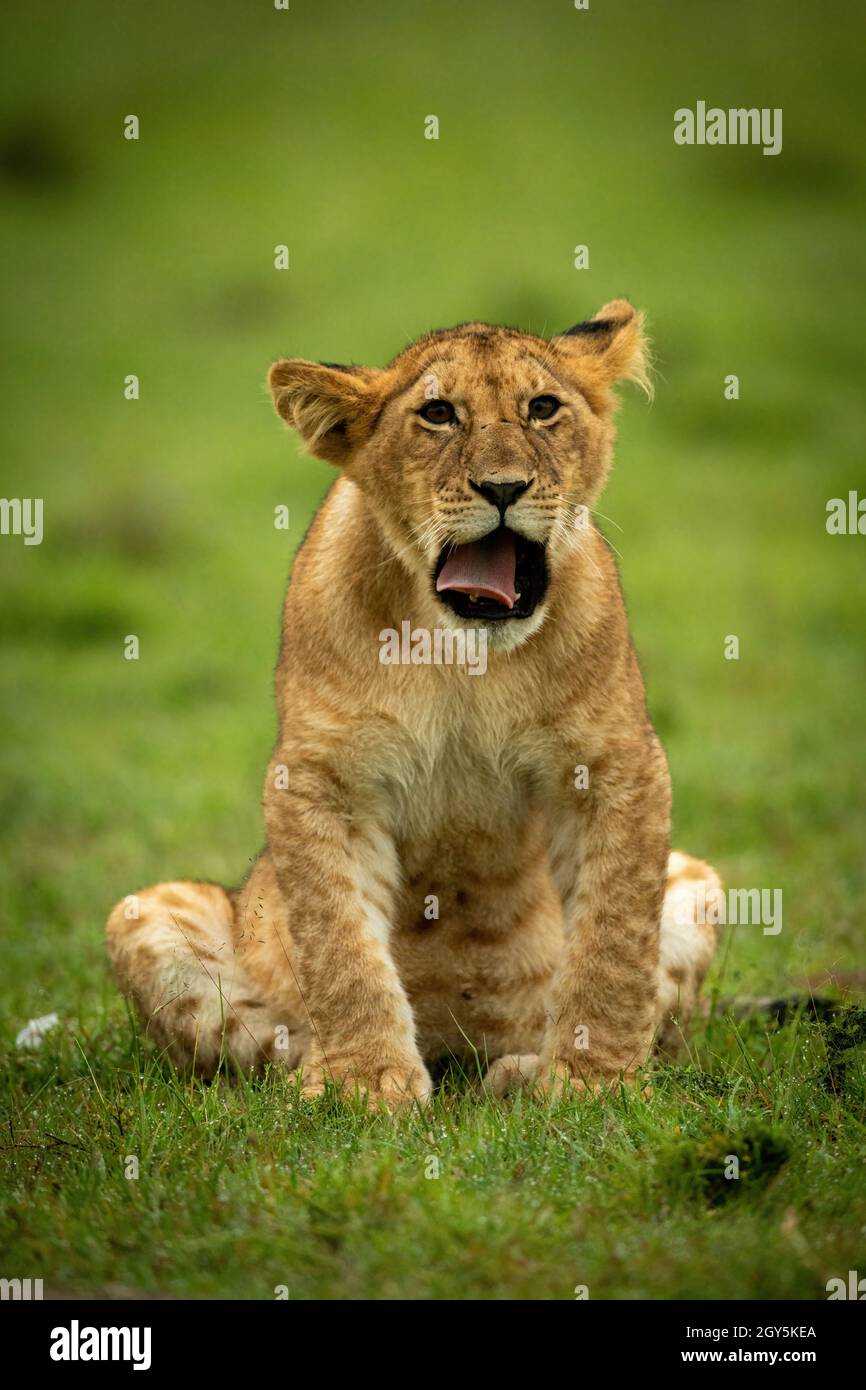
{"x":306,"y":127}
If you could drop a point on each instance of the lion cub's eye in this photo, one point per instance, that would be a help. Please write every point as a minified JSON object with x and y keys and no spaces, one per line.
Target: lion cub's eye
{"x":543,"y":407}
{"x":437,"y":412}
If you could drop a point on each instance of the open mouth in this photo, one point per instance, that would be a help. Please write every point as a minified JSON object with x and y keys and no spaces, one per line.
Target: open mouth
{"x":503,"y":575}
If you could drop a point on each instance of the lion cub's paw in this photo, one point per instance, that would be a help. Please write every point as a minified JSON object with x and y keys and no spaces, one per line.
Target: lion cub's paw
{"x":510,"y":1073}
{"x":558,"y":1077}
{"x":383,"y":1088}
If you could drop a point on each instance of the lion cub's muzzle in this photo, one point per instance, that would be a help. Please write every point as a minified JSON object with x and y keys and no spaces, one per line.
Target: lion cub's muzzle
{"x":501,"y":576}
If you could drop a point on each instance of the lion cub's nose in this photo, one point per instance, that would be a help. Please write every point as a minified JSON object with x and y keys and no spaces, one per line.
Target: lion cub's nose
{"x":501,"y":495}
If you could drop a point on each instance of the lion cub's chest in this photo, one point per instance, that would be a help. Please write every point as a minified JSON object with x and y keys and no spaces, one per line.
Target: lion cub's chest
{"x":477,"y":921}
{"x":467,"y":826}
{"x":477,"y":924}
{"x":460,"y":787}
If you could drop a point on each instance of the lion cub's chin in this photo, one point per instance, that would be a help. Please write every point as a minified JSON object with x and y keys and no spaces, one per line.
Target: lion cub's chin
{"x":503,"y":636}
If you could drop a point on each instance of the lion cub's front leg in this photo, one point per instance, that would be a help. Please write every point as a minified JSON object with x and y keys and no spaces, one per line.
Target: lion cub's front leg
{"x":609,"y":849}
{"x":338,"y":872}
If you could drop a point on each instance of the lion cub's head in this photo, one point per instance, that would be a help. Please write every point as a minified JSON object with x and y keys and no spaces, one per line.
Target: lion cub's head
{"x":480,"y":451}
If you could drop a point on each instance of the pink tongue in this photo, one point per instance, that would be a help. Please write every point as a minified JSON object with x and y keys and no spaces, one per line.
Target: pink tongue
{"x":484,"y":567}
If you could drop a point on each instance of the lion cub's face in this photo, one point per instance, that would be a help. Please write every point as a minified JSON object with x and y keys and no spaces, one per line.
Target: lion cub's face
{"x":481,"y":451}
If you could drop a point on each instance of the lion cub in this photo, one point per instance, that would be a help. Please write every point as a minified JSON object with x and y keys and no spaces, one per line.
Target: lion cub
{"x":458,"y":860}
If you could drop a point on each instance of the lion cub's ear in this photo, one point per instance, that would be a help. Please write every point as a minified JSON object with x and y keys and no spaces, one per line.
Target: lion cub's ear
{"x":329,"y":405}
{"x":612,"y":346}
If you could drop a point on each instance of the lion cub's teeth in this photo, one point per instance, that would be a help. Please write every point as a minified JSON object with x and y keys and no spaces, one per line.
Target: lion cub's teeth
{"x":473,"y":598}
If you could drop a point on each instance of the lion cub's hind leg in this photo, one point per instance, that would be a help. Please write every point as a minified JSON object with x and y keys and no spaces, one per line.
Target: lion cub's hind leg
{"x":172,"y":948}
{"x":510,"y":1073}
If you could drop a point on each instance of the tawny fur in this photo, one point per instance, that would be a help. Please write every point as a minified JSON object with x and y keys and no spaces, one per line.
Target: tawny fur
{"x":434,"y":881}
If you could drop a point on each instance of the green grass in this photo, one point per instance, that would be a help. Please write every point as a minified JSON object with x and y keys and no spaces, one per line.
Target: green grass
{"x":155,"y":257}
{"x":243,"y":1187}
